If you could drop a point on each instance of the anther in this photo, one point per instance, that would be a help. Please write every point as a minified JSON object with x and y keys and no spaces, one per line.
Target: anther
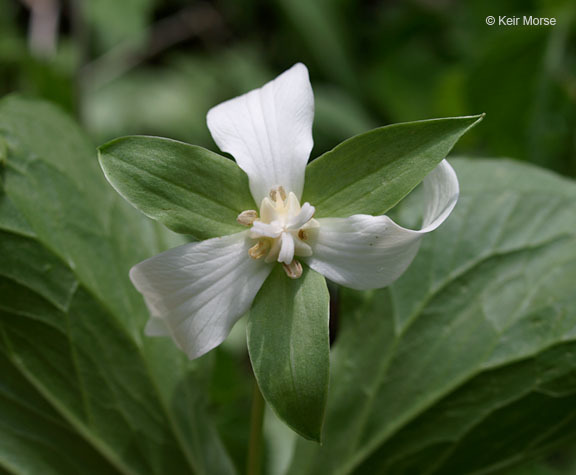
{"x":303,"y":235}
{"x":247,"y":218}
{"x":293,"y":270}
{"x":275,"y":192}
{"x":259,"y":250}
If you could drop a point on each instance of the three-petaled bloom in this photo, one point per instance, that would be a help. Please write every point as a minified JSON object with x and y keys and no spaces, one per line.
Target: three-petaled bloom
{"x":196,"y":292}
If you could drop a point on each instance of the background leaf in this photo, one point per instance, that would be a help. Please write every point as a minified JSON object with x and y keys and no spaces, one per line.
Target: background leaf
{"x":371,"y":172}
{"x":187,"y":188}
{"x":289,"y":348}
{"x":115,"y":22}
{"x":320,"y":34}
{"x":80,"y":390}
{"x":473,"y":347}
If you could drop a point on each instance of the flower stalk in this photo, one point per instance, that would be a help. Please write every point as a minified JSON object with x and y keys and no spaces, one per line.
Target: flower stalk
{"x":254,"y":461}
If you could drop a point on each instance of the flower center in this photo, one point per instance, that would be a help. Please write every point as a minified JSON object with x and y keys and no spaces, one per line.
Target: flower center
{"x":282,"y":230}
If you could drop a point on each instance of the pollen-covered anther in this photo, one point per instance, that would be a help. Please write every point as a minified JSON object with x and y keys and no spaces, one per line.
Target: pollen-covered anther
{"x":247,"y":218}
{"x":279,"y":192}
{"x":293,"y":270}
{"x":303,"y":235}
{"x":259,"y":250}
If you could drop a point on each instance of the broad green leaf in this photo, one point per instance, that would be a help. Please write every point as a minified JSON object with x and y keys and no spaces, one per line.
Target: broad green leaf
{"x":372,"y":172}
{"x":468,"y":362}
{"x":289,"y":348}
{"x":187,"y":188}
{"x":81,"y":391}
{"x":39,"y":451}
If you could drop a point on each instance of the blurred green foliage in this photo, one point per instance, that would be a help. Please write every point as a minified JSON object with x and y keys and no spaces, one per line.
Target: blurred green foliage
{"x":156,"y":67}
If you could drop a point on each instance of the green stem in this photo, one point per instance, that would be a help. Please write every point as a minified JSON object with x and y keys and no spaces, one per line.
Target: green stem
{"x":254,"y":464}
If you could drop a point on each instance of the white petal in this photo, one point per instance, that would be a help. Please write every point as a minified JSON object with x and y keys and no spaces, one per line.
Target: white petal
{"x":366,"y":252}
{"x":199,"y":290}
{"x":269,"y":131}
{"x":441,"y":192}
{"x":301,"y":249}
{"x":156,"y":327}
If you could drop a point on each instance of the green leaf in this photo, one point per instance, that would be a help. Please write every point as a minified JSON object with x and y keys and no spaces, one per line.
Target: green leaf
{"x":40,"y":450}
{"x":372,"y":172}
{"x":288,"y":341}
{"x":81,"y":391}
{"x":467,"y":362}
{"x":187,"y":188}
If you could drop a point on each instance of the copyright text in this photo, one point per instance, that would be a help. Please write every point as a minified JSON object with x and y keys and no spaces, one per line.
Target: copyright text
{"x":504,"y":20}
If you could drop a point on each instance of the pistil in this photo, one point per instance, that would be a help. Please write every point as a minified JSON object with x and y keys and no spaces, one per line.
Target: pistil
{"x":282,"y":230}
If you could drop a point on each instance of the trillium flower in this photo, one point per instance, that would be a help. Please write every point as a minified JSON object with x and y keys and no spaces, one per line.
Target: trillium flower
{"x":196,"y":292}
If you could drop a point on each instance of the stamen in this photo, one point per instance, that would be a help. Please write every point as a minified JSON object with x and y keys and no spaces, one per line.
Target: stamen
{"x":293,"y":270}
{"x":259,"y":250}
{"x":282,"y":230}
{"x":275,"y":192}
{"x":246,"y":218}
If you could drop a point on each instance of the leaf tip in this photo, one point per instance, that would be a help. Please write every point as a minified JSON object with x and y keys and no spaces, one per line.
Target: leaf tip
{"x":102,"y":152}
{"x":474,"y":121}
{"x":110,"y":144}
{"x":479,"y":118}
{"x":318,"y":439}
{"x":311,"y":435}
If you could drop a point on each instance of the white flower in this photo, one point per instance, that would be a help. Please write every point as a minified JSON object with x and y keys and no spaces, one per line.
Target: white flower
{"x":196,"y":292}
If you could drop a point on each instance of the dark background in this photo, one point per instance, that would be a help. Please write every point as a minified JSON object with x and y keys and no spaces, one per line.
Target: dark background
{"x":156,"y":67}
